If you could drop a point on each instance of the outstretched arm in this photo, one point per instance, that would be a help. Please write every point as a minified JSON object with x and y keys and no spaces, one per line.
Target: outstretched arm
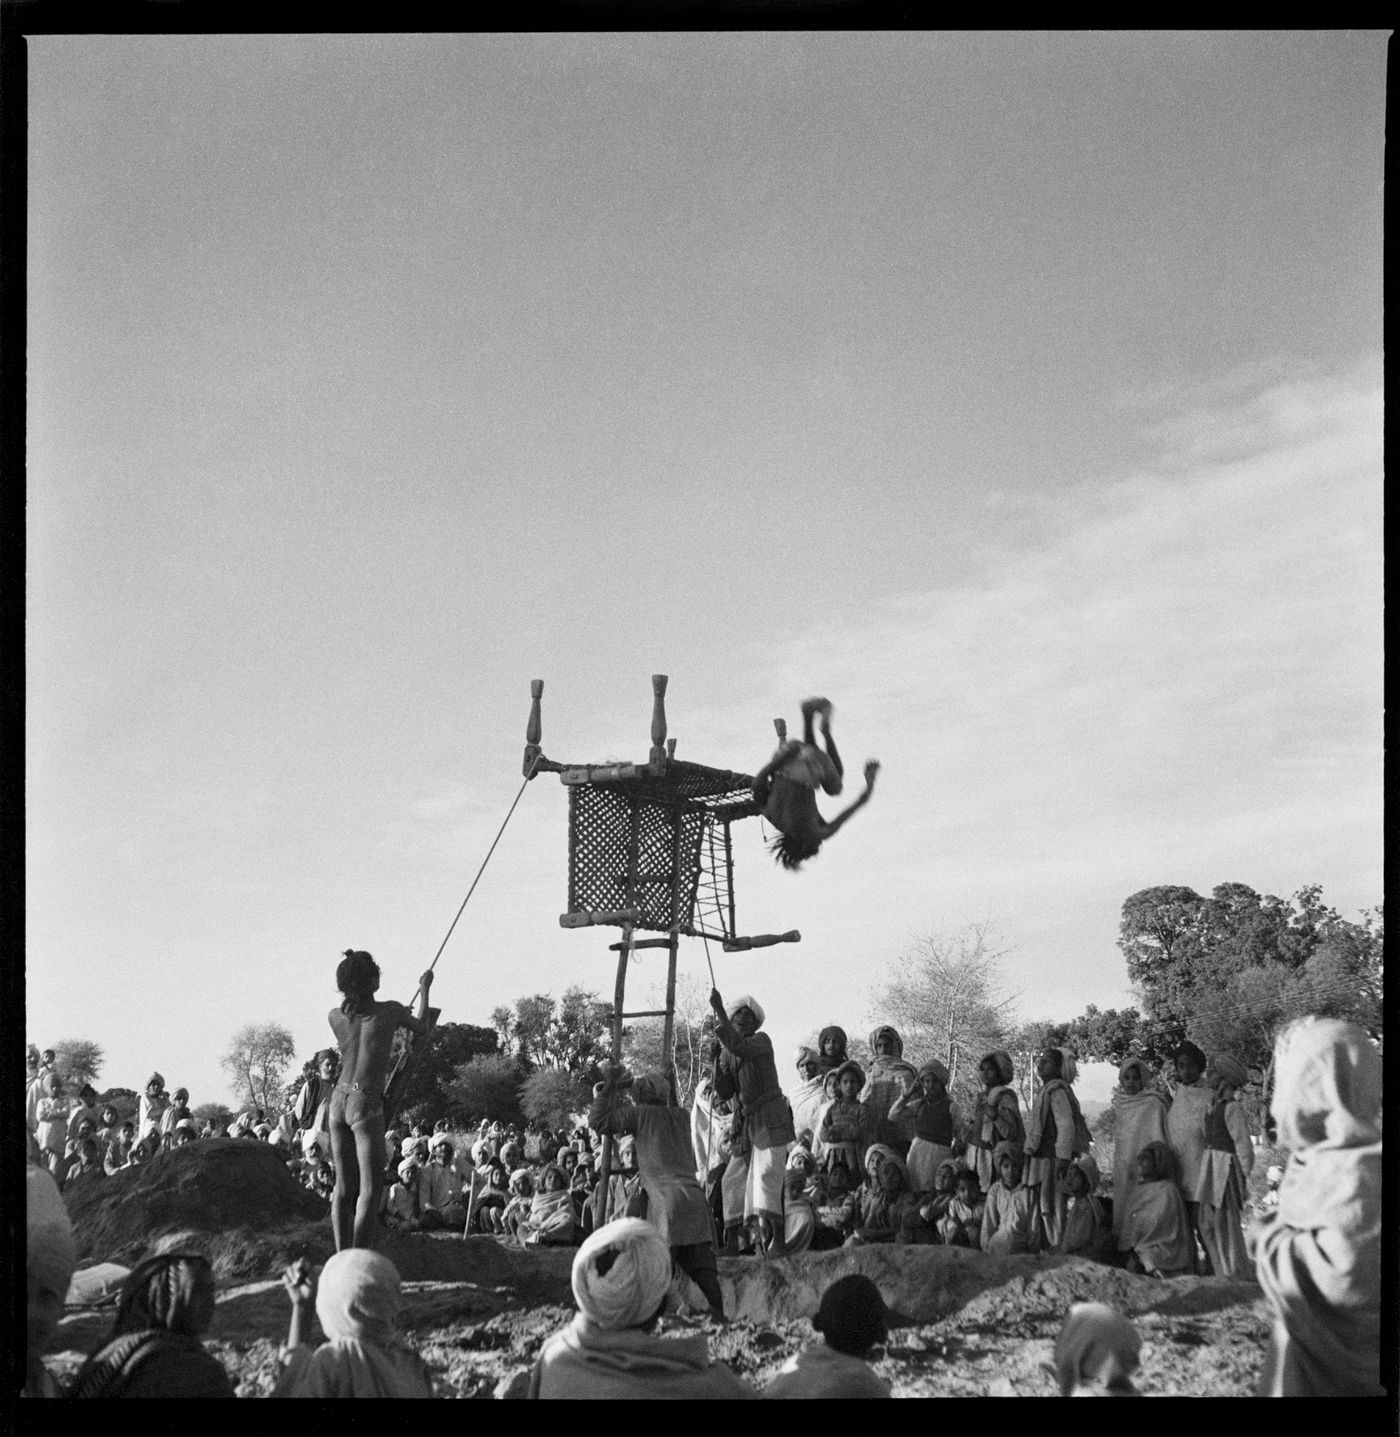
{"x":831,"y":825}
{"x":418,"y":1022}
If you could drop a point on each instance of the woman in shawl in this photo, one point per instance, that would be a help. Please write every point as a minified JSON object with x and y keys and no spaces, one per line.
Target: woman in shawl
{"x":676,"y":1204}
{"x":357,"y":1305}
{"x":620,"y":1278}
{"x":808,"y":1097}
{"x":1186,"y":1130}
{"x":1085,"y":1231}
{"x":887,"y":1207}
{"x":936,"y":1119}
{"x":166,"y":1307}
{"x":746,"y":1072}
{"x":1318,"y":1257}
{"x":1056,"y":1134}
{"x":996,"y":1119}
{"x":1139,"y":1118}
{"x":1158,"y":1226}
{"x":885,"y":1082}
{"x":550,"y":1222}
{"x":1226,"y":1165}
{"x":1096,"y":1352}
{"x":831,"y":1047}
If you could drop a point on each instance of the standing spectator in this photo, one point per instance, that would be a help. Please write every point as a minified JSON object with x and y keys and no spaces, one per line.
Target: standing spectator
{"x":936,"y":1119}
{"x":179,"y":1107}
{"x":34,"y":1091}
{"x":1225,"y":1168}
{"x":1140,"y":1118}
{"x":311,"y":1110}
{"x":53,"y":1126}
{"x":996,"y":1119}
{"x":1186,"y":1133}
{"x":1055,"y":1135}
{"x":809,"y":1097}
{"x":885,"y":1082}
{"x":154,"y":1102}
{"x":1319,"y":1255}
{"x":84,"y":1111}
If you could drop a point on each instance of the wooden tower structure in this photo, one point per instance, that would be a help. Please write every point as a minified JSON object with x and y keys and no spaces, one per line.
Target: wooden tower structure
{"x":650,"y":849}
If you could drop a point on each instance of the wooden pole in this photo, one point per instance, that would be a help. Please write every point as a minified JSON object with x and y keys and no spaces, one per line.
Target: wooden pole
{"x":532,"y":729}
{"x":658,"y":722}
{"x":668,"y":1032}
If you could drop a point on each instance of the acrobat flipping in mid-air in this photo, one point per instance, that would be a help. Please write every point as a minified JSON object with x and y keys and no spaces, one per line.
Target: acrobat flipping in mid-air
{"x":785,"y":789}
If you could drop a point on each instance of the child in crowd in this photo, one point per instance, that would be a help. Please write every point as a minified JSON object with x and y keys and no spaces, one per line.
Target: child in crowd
{"x":800,"y":1217}
{"x":1226,"y":1165}
{"x":522,"y":1193}
{"x":117,"y":1152}
{"x":53,"y":1113}
{"x":1085,"y":1231}
{"x":886,"y":1206}
{"x":1191,"y":1100}
{"x":153,"y":1104}
{"x":179,"y":1107}
{"x":1096,"y":1352}
{"x":551,"y":1221}
{"x":401,"y":1197}
{"x":357,"y":1303}
{"x":491,"y":1205}
{"x":924,"y":1225}
{"x":1158,"y":1227}
{"x":996,"y":1119}
{"x":836,"y":1212}
{"x":1011,"y":1218}
{"x":962,"y":1227}
{"x":852,"y":1319}
{"x":935,"y":1119}
{"x":1140,"y":1118}
{"x":84,"y":1111}
{"x":1055,"y":1135}
{"x":1319,"y":1255}
{"x":85,"y":1166}
{"x":848,"y":1127}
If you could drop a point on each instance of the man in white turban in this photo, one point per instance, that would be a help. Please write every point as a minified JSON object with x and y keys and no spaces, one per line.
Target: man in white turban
{"x":620,"y":1278}
{"x":747,"y":1072}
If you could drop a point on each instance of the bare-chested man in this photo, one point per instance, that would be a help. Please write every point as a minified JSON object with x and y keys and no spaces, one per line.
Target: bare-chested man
{"x":364,"y":1031}
{"x":785,"y":787}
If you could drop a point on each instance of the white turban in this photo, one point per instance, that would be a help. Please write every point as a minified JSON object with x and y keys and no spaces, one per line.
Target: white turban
{"x":745,"y":1001}
{"x":638,"y":1272}
{"x":357,"y":1297}
{"x":1096,"y":1345}
{"x":51,"y":1252}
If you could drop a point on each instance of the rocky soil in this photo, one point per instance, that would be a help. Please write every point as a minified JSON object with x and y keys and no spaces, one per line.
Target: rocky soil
{"x":479,"y":1310}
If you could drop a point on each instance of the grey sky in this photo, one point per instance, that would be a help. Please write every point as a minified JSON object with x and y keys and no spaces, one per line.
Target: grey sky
{"x":1020,"y":391}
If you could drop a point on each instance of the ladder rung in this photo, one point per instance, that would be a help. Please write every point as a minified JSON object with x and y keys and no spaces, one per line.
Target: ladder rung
{"x":640,"y":943}
{"x":650,"y":1013}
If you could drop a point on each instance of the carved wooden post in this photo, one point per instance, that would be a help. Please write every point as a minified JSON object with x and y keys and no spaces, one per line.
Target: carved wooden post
{"x":658,"y":721}
{"x":781,"y":726}
{"x":532,"y":728}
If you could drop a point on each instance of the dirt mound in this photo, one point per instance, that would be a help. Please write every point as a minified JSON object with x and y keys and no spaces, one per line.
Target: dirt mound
{"x":226,"y":1197}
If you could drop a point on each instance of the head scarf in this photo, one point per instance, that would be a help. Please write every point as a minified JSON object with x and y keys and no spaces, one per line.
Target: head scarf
{"x":561,"y":1154}
{"x":851,"y":1066}
{"x":156,"y":1079}
{"x":1139,"y":1066}
{"x":952,"y":1168}
{"x":1089,"y":1168}
{"x":1011,"y":1150}
{"x":1163,"y":1161}
{"x":806,"y":1056}
{"x":357,"y":1297}
{"x":876,"y":1155}
{"x":173,"y":1291}
{"x":939,"y":1070}
{"x":745,"y":1001}
{"x":1327,"y":1086}
{"x":407,"y":1169}
{"x":651,"y":1087}
{"x":880,"y":1032}
{"x":51,"y":1252}
{"x":621,"y":1274}
{"x":1096,"y":1345}
{"x":1001,"y":1061}
{"x":1069,"y":1069}
{"x":1230,"y":1070}
{"x":520,"y":1180}
{"x":478,"y":1152}
{"x":800,"y":1159}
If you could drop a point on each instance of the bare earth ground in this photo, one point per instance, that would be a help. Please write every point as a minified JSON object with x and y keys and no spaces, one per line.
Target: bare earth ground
{"x":479,"y":1310}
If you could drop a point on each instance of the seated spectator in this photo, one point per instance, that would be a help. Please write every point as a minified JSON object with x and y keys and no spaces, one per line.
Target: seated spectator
{"x":357,"y":1305}
{"x":836,"y":1210}
{"x":852,"y":1319}
{"x":800,"y":1215}
{"x":242,"y":1125}
{"x":1096,"y":1352}
{"x":184,"y":1132}
{"x":51,"y":1256}
{"x":522,"y":1191}
{"x":401,"y":1197}
{"x":491,"y":1204}
{"x":1319,"y":1255}
{"x":887,"y":1206}
{"x":924,"y":1224}
{"x":551,"y":1221}
{"x":118,"y":1154}
{"x":962,"y":1227}
{"x":1158,"y":1227}
{"x":440,"y":1202}
{"x":1086,"y":1231}
{"x":166,"y":1306}
{"x":86,"y":1164}
{"x":620,"y":1278}
{"x":109,"y":1124}
{"x":84,"y":1111}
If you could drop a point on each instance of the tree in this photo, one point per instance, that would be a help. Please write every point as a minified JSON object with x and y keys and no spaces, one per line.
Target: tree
{"x":945,"y":998}
{"x":1159,"y":936}
{"x":488,"y":1087}
{"x":553,"y":1095}
{"x":572,"y":1033}
{"x":257,"y":1062}
{"x":690,"y":1035}
{"x":451,"y":1045}
{"x":78,"y":1060}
